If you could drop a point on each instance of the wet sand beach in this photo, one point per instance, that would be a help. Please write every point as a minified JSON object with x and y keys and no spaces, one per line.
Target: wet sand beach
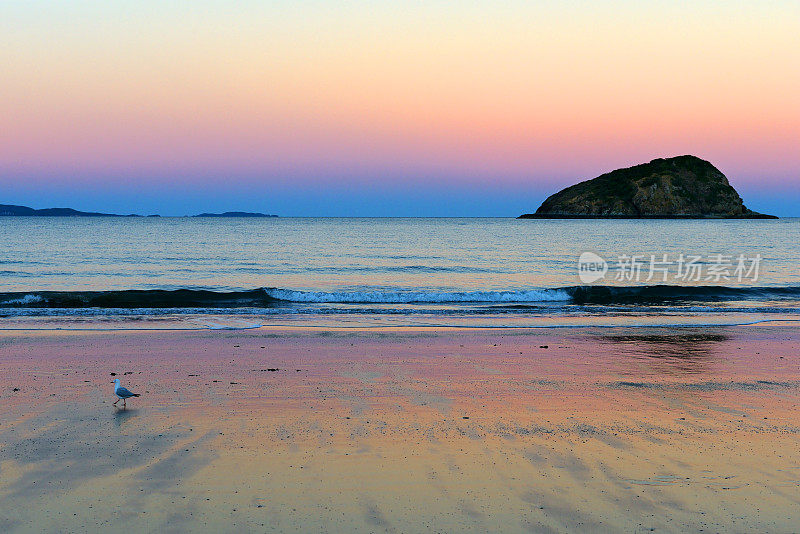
{"x":402,"y":430}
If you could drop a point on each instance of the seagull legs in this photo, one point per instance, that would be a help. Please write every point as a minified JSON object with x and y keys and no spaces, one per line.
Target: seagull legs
{"x":116,"y":401}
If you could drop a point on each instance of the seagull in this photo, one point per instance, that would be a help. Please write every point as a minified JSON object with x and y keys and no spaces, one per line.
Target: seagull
{"x":122,"y":393}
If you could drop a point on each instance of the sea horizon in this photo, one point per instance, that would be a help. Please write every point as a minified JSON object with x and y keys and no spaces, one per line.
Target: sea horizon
{"x":398,"y":271}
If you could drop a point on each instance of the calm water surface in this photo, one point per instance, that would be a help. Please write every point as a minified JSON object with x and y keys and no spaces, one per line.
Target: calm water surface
{"x":495,"y":272}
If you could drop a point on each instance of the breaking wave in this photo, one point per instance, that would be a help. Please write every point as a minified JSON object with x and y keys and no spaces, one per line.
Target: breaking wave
{"x":277,"y":297}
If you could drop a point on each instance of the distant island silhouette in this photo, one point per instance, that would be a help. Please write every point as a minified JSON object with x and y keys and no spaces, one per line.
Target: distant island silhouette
{"x":11,"y":210}
{"x":234,"y":214}
{"x":683,"y":187}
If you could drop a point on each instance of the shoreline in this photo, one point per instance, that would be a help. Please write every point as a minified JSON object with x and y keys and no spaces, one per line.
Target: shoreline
{"x":778,"y":322}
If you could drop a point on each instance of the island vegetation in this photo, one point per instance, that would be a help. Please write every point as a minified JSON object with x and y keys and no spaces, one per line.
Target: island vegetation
{"x":679,"y":187}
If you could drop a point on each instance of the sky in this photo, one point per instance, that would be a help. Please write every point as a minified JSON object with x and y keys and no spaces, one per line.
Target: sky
{"x":397,"y":108}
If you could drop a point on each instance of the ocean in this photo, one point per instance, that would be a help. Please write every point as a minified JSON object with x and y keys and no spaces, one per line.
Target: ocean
{"x":195,"y":273}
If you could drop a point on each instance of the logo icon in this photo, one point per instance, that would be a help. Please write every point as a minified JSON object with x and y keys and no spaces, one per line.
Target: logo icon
{"x":591,"y":267}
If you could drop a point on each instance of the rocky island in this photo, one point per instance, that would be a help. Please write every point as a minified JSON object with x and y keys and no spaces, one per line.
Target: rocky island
{"x":672,"y":188}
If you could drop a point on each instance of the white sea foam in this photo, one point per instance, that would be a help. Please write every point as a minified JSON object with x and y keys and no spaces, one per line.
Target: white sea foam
{"x":27,"y":299}
{"x":409,"y":297}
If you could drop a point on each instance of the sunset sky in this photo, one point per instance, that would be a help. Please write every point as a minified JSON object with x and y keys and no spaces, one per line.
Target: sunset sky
{"x":378,"y":107}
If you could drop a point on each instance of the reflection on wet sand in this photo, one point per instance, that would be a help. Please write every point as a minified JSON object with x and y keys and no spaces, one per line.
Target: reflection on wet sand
{"x":676,"y":352}
{"x":472,"y":431}
{"x":122,"y":415}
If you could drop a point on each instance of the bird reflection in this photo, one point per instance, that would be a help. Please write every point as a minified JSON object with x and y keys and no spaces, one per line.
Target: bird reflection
{"x":124,"y":415}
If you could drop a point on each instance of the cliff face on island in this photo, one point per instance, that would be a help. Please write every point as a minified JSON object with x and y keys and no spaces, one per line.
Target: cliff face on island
{"x":679,"y":187}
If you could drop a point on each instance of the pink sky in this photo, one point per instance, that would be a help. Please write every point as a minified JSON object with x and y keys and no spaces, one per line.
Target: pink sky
{"x":530,"y":96}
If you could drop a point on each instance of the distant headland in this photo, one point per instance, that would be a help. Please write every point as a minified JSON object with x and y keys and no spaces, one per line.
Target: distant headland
{"x":10,"y":210}
{"x":683,"y":187}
